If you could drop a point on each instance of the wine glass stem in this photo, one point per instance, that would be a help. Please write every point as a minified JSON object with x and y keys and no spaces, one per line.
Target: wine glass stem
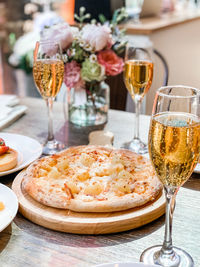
{"x":49,"y":103}
{"x":170,"y":205}
{"x":136,"y":18}
{"x":137,"y":119}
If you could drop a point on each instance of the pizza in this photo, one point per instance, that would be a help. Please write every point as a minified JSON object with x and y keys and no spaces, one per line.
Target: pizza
{"x":92,"y":179}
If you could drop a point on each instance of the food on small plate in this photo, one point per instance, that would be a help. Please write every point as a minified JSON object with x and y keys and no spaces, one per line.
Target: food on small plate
{"x":1,"y":206}
{"x":8,"y":157}
{"x":92,"y":179}
{"x":3,"y":147}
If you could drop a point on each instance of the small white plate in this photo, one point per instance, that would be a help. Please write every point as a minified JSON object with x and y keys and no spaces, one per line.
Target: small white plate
{"x":197,"y":168}
{"x":28,"y":150}
{"x":9,"y":199}
{"x":125,"y":264}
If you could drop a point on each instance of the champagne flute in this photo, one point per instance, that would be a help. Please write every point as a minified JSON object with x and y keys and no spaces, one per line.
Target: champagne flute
{"x":174,"y":146}
{"x":48,"y":71}
{"x":134,"y":8}
{"x":138,"y":75}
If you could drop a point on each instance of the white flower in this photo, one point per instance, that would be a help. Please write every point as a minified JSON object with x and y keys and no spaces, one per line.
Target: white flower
{"x":46,"y":19}
{"x":93,"y":58}
{"x":64,"y":58}
{"x":30,"y":8}
{"x":97,"y":36}
{"x":60,"y":32}
{"x":73,"y":52}
{"x":26,"y":43}
{"x":77,"y":38}
{"x":14,"y":60}
{"x":82,"y":43}
{"x":75,"y":32}
{"x":87,"y":47}
{"x":58,"y":56}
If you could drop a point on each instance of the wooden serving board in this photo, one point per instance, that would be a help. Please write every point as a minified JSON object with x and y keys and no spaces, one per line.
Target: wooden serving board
{"x":85,"y":223}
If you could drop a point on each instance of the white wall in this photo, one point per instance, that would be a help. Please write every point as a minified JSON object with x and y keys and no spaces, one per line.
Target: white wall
{"x":180,"y":45}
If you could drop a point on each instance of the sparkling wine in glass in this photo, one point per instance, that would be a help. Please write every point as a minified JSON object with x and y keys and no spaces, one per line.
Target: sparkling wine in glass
{"x":138,"y":75}
{"x":174,"y":146}
{"x":48,"y":72}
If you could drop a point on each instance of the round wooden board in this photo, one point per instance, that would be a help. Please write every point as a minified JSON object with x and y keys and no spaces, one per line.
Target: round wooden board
{"x":85,"y":223}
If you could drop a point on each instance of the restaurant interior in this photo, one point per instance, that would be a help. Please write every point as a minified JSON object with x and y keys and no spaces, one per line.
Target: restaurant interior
{"x":99,"y":133}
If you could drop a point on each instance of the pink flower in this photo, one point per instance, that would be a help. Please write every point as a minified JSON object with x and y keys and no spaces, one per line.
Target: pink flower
{"x":97,"y":36}
{"x":72,"y":75}
{"x":60,"y":33}
{"x":112,"y":63}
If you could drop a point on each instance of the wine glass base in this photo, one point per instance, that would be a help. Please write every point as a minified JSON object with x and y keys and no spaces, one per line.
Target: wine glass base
{"x":179,"y":259}
{"x":137,"y":146}
{"x":52,"y":147}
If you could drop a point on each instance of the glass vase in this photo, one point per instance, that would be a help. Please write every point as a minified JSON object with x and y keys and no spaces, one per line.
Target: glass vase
{"x":89,"y":106}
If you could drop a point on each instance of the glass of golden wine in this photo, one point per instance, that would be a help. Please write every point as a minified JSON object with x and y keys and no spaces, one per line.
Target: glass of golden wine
{"x":138,"y":75}
{"x":48,"y":72}
{"x":174,"y":147}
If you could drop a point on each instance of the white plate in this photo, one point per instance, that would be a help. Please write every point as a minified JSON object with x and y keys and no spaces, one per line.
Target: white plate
{"x":28,"y":150}
{"x":9,"y":199}
{"x":127,"y":264}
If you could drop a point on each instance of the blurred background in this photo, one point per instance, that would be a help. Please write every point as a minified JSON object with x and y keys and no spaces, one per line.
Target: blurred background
{"x":170,"y":26}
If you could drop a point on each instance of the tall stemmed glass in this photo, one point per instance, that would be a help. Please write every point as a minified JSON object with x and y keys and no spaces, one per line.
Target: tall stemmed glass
{"x":134,"y":8}
{"x":174,"y":146}
{"x":48,"y":71}
{"x":138,"y":75}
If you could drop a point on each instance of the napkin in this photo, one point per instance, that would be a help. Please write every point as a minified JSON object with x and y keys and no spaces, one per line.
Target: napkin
{"x":9,"y":100}
{"x":10,"y":111}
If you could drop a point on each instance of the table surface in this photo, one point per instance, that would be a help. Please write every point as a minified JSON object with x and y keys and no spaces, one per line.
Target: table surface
{"x":25,"y":244}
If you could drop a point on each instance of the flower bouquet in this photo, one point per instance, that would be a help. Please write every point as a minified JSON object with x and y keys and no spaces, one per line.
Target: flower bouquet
{"x":91,"y":52}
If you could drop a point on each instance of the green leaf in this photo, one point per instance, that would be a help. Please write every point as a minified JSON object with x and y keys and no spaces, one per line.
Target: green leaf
{"x":12,"y":39}
{"x":115,"y":15}
{"x":76,"y":17}
{"x":102,"y":18}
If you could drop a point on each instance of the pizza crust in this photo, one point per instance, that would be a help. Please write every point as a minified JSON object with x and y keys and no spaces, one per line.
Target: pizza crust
{"x":57,"y":192}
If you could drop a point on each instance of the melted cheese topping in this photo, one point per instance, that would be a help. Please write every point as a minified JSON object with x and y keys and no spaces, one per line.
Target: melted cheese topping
{"x":95,"y":174}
